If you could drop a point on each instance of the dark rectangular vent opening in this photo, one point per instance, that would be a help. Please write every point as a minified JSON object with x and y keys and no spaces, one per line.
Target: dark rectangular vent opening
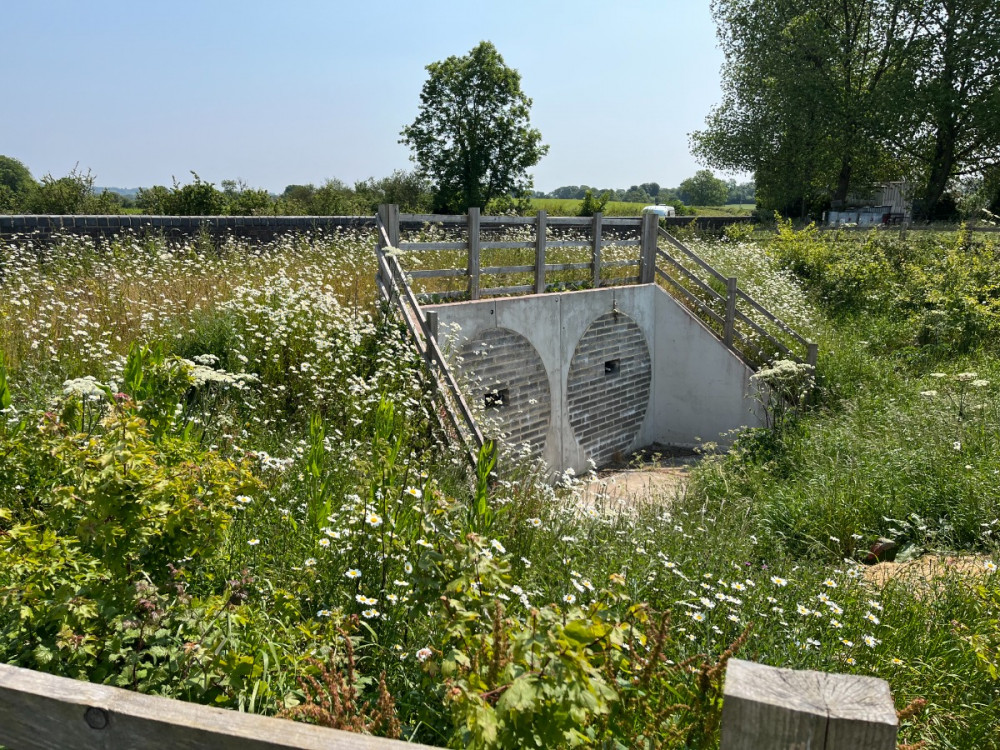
{"x":497,"y":399}
{"x":612,"y":367}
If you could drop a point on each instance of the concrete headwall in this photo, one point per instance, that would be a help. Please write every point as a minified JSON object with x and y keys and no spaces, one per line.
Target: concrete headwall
{"x":615,"y":369}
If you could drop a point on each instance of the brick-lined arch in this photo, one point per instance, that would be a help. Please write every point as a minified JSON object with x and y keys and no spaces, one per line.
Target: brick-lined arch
{"x":507,"y":377}
{"x":608,"y":386}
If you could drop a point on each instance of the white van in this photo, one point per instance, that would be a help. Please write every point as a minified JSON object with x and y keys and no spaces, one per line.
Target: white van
{"x":661,"y":211}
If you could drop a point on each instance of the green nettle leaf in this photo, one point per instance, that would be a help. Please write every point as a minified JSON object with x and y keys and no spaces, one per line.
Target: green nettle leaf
{"x":519,"y":697}
{"x":585,"y":632}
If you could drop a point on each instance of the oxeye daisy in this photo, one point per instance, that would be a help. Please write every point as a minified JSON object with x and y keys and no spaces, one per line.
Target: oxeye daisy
{"x":353,"y":573}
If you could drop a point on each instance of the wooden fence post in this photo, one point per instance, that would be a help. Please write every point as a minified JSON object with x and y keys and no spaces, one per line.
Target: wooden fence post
{"x":432,"y":324}
{"x":788,"y":709}
{"x":540,"y":228}
{"x":647,"y":265}
{"x":597,"y":249}
{"x":392,"y":224}
{"x":473,"y":252}
{"x":730,"y":325}
{"x":812,"y":354}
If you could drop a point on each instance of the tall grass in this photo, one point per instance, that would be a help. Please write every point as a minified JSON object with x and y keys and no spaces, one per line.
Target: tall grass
{"x":352,"y":536}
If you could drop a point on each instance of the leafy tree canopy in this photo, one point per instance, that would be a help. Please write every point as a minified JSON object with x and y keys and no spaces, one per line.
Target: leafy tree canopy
{"x":471,"y":138}
{"x":704,"y":189}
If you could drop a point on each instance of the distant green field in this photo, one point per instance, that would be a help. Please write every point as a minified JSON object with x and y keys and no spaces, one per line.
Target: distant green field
{"x":571,"y":207}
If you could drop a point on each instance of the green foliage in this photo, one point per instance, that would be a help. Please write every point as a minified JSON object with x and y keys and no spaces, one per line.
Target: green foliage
{"x":340,"y":551}
{"x":591,"y":205}
{"x":16,"y":184}
{"x":471,"y":137}
{"x":72,"y":194}
{"x":943,"y":291}
{"x":704,"y":189}
{"x":197,"y":198}
{"x":107,"y":515}
{"x":408,"y":190}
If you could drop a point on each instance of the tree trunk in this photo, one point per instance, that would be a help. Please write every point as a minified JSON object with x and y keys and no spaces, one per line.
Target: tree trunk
{"x":941,"y":169}
{"x":843,"y":181}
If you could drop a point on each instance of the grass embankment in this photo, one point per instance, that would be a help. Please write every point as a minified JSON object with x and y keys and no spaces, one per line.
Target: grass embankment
{"x":209,"y":527}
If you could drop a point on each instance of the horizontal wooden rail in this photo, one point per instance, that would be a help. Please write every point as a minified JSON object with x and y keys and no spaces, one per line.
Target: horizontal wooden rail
{"x":507,"y":245}
{"x":556,"y":244}
{"x":425,"y":246}
{"x":522,"y":289}
{"x":507,"y":269}
{"x":434,"y":273}
{"x":44,"y":712}
{"x":447,"y":294}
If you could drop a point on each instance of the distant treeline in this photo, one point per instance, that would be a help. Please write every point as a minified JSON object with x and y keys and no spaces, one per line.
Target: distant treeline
{"x":703,"y":189}
{"x":75,"y":194}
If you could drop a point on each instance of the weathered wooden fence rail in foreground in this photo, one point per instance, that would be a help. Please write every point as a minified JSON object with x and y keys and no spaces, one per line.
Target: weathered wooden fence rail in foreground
{"x":764,"y":709}
{"x":42,"y":712}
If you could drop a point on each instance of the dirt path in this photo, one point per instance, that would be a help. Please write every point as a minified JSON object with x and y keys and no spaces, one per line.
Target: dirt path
{"x":660,"y":477}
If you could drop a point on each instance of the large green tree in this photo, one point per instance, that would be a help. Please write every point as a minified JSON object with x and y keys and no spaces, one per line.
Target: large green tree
{"x":956,"y":118}
{"x":16,"y":184}
{"x":704,"y":189}
{"x":472,"y":138}
{"x":812,"y":94}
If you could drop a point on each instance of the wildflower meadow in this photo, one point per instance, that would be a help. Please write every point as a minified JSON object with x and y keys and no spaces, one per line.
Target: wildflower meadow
{"x":222,"y":480}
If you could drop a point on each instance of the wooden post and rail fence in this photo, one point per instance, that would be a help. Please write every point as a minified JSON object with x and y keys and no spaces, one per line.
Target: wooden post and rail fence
{"x":734,"y":316}
{"x":764,"y":708}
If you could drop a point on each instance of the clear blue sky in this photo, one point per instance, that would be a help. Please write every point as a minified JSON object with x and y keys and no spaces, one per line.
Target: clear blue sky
{"x":295,"y":92}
